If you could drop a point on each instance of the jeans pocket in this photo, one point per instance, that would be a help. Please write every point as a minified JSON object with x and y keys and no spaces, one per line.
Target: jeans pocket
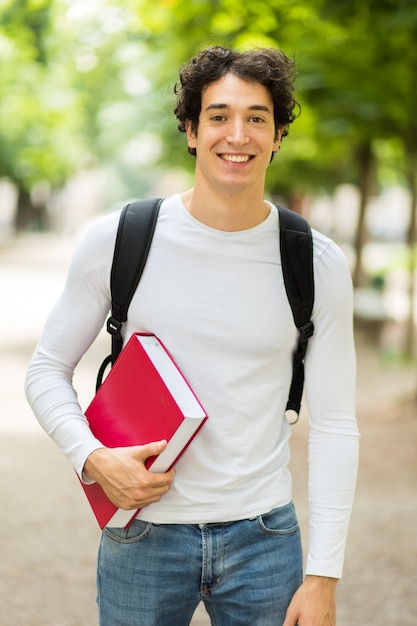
{"x":280,"y":521}
{"x":136,"y":531}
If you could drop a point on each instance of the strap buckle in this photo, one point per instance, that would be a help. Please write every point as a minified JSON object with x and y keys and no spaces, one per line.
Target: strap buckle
{"x":114,"y":326}
{"x":306,"y":331}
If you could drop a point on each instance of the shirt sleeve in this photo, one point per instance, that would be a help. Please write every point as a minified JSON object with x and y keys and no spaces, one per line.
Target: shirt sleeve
{"x":71,"y":327}
{"x":330,"y":381}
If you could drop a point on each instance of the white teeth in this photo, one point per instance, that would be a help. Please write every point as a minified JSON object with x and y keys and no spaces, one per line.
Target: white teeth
{"x":236,"y":158}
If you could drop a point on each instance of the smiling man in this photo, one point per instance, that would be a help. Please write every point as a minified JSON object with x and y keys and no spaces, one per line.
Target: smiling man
{"x":234,"y":141}
{"x":222,"y":528}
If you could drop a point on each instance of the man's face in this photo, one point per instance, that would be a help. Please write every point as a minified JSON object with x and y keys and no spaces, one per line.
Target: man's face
{"x":236,"y":134}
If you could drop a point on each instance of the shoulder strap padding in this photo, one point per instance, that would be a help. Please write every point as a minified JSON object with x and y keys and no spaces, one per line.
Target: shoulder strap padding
{"x":297,"y":264}
{"x":134,"y":237}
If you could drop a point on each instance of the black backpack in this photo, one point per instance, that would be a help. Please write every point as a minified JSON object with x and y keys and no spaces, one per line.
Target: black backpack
{"x":134,"y":237}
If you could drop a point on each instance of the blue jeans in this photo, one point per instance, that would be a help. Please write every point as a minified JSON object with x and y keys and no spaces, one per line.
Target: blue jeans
{"x":245,"y":572}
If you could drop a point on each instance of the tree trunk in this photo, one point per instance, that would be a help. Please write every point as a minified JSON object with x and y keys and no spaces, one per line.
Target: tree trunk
{"x":366,"y":159}
{"x":28,"y":216}
{"x":409,"y":346}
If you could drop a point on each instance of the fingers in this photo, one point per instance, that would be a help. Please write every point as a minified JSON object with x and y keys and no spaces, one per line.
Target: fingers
{"x":149,"y":489}
{"x":125,"y":479}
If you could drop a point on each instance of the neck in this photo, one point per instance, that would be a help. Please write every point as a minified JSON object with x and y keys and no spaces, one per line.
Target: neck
{"x":229,"y":213}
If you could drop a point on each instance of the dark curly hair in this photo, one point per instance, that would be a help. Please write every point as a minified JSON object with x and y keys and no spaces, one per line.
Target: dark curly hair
{"x":267,"y":66}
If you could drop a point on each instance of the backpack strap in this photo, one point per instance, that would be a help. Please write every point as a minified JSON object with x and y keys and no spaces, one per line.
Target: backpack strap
{"x":296,"y":245}
{"x":133,"y":240}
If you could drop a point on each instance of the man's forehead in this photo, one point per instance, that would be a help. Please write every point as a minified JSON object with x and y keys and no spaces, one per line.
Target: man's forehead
{"x":251,"y":107}
{"x":231,"y":89}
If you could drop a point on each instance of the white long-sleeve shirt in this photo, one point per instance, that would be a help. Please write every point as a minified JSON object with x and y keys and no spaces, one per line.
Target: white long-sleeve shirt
{"x":217,"y":301}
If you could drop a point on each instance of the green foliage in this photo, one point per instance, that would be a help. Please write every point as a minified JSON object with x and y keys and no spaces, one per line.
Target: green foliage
{"x":91,"y":83}
{"x":38,"y":140}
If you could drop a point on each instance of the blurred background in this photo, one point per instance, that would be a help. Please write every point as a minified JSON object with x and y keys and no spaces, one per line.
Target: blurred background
{"x":86,"y":123}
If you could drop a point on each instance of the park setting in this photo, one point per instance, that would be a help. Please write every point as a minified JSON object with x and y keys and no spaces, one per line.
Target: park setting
{"x":87,"y":93}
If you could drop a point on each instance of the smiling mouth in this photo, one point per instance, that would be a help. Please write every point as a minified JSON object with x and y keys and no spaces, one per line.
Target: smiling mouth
{"x":236,"y":158}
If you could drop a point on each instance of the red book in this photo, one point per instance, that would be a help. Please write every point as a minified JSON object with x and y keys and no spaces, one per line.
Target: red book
{"x":144,"y":398}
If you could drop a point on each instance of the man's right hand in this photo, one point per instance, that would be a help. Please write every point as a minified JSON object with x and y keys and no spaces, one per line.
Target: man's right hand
{"x":122,"y":474}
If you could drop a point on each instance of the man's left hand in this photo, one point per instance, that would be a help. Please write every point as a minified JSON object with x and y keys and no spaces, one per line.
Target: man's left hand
{"x":314,"y":604}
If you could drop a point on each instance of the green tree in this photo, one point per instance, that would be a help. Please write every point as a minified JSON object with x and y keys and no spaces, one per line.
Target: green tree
{"x":382,"y":36}
{"x":70,"y":95}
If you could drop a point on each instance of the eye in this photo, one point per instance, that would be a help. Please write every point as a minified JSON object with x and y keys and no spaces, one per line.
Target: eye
{"x":256,"y":119}
{"x":217,"y":118}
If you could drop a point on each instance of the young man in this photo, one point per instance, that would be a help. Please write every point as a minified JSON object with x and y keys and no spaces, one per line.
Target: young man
{"x":220,"y":528}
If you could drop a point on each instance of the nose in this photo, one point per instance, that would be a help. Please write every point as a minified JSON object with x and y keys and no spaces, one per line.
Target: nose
{"x":237,"y":134}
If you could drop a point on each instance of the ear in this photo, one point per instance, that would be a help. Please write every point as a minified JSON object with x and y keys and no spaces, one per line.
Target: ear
{"x":278,"y":139}
{"x":191,"y":135}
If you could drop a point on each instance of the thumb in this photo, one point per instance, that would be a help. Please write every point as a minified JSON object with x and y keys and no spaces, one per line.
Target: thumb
{"x":152,"y":448}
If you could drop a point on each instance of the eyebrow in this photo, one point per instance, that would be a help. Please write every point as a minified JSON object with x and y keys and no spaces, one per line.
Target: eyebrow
{"x":253,"y":107}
